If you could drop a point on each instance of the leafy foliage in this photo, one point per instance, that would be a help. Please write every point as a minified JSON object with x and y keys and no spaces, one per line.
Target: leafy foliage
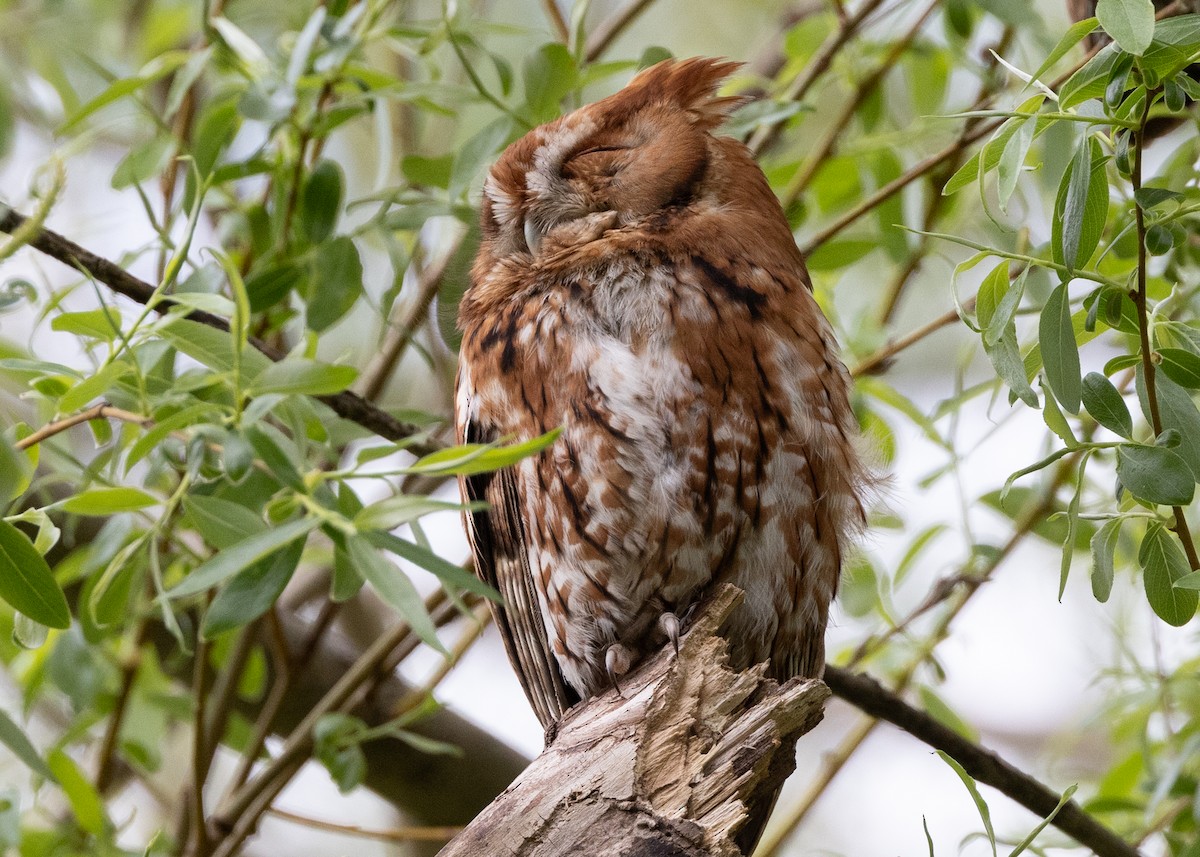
{"x":309,"y":177}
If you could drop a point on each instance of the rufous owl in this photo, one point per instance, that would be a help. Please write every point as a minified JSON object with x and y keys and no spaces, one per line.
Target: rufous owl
{"x":638,"y":285}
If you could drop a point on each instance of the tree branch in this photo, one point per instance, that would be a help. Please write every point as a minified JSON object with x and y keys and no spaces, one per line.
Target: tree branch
{"x":869,"y":696}
{"x":677,"y":765}
{"x":610,"y":28}
{"x":346,"y":405}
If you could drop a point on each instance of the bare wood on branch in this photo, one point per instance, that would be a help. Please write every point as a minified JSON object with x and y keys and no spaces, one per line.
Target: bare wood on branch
{"x":669,"y":768}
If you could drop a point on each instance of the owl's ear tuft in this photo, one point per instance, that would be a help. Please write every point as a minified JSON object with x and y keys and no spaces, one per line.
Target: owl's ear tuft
{"x":692,"y":85}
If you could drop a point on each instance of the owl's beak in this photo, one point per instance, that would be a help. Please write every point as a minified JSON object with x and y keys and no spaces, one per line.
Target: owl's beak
{"x":533,"y":238}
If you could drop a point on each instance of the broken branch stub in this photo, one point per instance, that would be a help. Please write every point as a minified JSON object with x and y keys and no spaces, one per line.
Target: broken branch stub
{"x":667,"y":768}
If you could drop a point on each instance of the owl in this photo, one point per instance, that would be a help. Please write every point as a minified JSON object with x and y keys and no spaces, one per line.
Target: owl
{"x":638,"y":285}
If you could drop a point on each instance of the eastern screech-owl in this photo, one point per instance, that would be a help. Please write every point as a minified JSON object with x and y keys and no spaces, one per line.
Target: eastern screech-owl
{"x":638,"y":285}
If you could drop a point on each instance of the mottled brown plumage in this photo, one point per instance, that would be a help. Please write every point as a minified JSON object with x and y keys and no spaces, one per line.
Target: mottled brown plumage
{"x":639,"y":286}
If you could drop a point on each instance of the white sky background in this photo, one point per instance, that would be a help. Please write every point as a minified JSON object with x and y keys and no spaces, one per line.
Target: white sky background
{"x":1020,"y":665}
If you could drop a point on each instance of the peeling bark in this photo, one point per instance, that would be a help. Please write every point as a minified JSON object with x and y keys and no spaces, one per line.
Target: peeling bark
{"x":673,"y":766}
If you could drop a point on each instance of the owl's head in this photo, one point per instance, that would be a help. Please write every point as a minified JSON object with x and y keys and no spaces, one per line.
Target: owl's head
{"x":612,"y":162}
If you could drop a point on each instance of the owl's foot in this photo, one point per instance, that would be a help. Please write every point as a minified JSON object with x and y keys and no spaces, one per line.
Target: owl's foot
{"x":668,"y":625}
{"x":618,"y":659}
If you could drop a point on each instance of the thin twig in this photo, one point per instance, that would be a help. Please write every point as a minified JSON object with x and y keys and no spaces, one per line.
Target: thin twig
{"x":300,"y":740}
{"x":131,"y":662}
{"x":935,"y":202}
{"x":927,"y":165}
{"x":398,"y":337}
{"x":879,"y":360}
{"x":608,"y":30}
{"x":556,"y":20}
{"x":346,"y":404}
{"x":813,"y":69}
{"x":829,"y":140}
{"x":225,"y":688}
{"x":396,"y":834}
{"x":240,"y":817}
{"x":1139,"y":300}
{"x":280,"y":687}
{"x":95,"y":412}
{"x":200,"y":756}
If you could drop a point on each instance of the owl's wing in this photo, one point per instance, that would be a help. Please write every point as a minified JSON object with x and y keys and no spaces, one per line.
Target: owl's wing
{"x":498,"y":540}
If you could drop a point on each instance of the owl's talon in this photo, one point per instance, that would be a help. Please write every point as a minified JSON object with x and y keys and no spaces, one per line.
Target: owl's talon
{"x":617,"y":661}
{"x":668,"y":623}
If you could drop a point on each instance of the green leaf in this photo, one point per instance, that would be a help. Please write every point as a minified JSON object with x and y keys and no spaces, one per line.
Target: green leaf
{"x":1075,"y":34}
{"x":305,"y":377}
{"x":321,"y":201}
{"x":432,"y":171}
{"x":980,"y":803}
{"x":228,"y":562}
{"x":1072,"y":516}
{"x":1155,"y":474}
{"x":143,"y":162}
{"x":1024,"y":844}
{"x":212,"y":347}
{"x":475,"y":152}
{"x":1106,"y":405}
{"x":154,"y":437}
{"x":1006,"y":308}
{"x":1104,"y":549}
{"x":337,"y":747}
{"x":1178,"y":412}
{"x":1012,"y":161}
{"x":449,"y":573}
{"x":990,"y":154}
{"x":215,"y":129}
{"x":346,"y":579}
{"x":1060,"y":353}
{"x":15,"y":471}
{"x":841,"y":253}
{"x":335,"y":284}
{"x":1163,"y":562}
{"x":1081,"y":208}
{"x":109,"y":501}
{"x":13,"y":737}
{"x":937,"y":708}
{"x":1006,"y":359}
{"x":1129,"y":22}
{"x":395,"y":588}
{"x":183,"y":80}
{"x":914,"y":551}
{"x":1091,"y":80}
{"x":119,"y":89}
{"x":1191,"y":580}
{"x":270,"y":444}
{"x":1181,"y":366}
{"x":991,"y":291}
{"x":394,"y":511}
{"x":472,"y":458}
{"x":102,"y":324}
{"x":90,"y":388}
{"x":81,"y":794}
{"x":222,"y":523}
{"x":251,"y":592}
{"x":268,"y":287}
{"x":1056,"y":422}
{"x":242,"y":46}
{"x":1118,"y":81}
{"x":549,"y":73}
